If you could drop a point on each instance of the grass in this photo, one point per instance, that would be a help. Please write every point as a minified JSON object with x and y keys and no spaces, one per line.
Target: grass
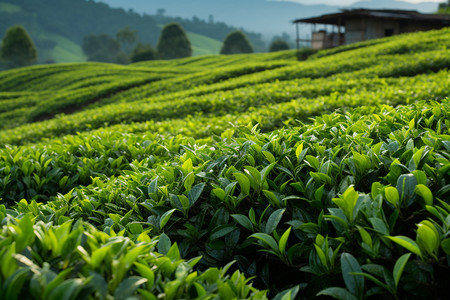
{"x":9,"y":8}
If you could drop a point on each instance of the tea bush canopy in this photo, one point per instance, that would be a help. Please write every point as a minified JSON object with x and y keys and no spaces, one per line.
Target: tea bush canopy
{"x":236,"y":42}
{"x":247,"y":176}
{"x":18,"y":50}
{"x":173,"y":43}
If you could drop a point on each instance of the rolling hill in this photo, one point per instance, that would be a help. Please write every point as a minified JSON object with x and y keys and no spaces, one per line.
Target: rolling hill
{"x":230,"y":177}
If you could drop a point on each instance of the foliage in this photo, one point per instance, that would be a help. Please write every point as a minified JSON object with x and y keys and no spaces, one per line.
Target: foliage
{"x":143,"y":53}
{"x":236,"y":42}
{"x":278,"y":45}
{"x":173,"y":42}
{"x":17,"y":48}
{"x":326,"y":177}
{"x":127,"y":39}
{"x":101,"y":48}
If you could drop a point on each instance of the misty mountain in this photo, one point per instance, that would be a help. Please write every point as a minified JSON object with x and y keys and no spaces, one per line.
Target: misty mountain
{"x":262,"y":16}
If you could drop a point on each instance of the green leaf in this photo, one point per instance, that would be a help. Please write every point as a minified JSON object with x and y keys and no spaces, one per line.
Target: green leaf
{"x":321,"y":254}
{"x":399,"y":267}
{"x":153,"y":187}
{"x":165,"y":218}
{"x":365,"y":236}
{"x":427,"y":238}
{"x":337,"y":293}
{"x":266,"y":239}
{"x":67,"y":290}
{"x":299,"y":151}
{"x":174,"y":252}
{"x":189,"y":181}
{"x":243,"y":221}
{"x":445,"y":245}
{"x":274,"y":220}
{"x":424,"y":192}
{"x":57,"y":281}
{"x":147,"y":273}
{"x":98,"y":255}
{"x":313,"y":162}
{"x":195,"y":193}
{"x":372,"y":278}
{"x":219,"y":193}
{"x":128,"y":287}
{"x":221,"y":231}
{"x":406,"y":184}
{"x":392,"y":195}
{"x":13,"y":284}
{"x":283,"y":241}
{"x":407,"y":243}
{"x":244,"y":183}
{"x":354,"y":284}
{"x":164,"y":243}
{"x":269,"y":156}
{"x":265,"y":172}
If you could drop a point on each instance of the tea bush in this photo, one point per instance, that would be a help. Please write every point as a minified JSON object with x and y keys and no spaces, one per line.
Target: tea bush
{"x":249,"y":176}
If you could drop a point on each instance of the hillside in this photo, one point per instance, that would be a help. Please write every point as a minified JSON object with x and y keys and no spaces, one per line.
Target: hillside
{"x":58,"y":26}
{"x":230,"y":177}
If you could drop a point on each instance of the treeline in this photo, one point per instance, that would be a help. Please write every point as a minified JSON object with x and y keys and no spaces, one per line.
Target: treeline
{"x":173,"y":43}
{"x":18,"y":49}
{"x":76,"y":19}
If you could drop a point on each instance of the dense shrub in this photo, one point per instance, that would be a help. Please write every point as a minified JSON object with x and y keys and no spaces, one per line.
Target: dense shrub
{"x":236,"y":42}
{"x":17,"y":49}
{"x":173,"y":42}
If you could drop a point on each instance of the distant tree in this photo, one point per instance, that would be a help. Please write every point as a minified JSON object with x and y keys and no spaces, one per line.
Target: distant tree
{"x":18,"y":50}
{"x":143,"y":52}
{"x":173,"y":42}
{"x":127,"y":39}
{"x":236,"y":42}
{"x":102,"y":48}
{"x":278,"y":45}
{"x":444,"y":7}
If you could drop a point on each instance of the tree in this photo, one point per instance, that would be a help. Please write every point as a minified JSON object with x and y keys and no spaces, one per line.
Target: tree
{"x":143,"y":52}
{"x":444,"y":7}
{"x":18,"y":50}
{"x":173,"y":42}
{"x":127,"y":39}
{"x":278,"y":45}
{"x":236,"y":42}
{"x":102,"y":48}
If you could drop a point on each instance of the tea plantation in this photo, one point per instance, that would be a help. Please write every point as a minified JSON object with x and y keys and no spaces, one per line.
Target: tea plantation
{"x":230,"y":177}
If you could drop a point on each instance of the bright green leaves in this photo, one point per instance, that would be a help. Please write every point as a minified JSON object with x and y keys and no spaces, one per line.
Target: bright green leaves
{"x":244,"y":183}
{"x":392,"y":196}
{"x":348,"y":203}
{"x":407,"y":243}
{"x":165,"y":218}
{"x":326,"y":254}
{"x":276,"y":246}
{"x":424,"y":192}
{"x":428,"y":238}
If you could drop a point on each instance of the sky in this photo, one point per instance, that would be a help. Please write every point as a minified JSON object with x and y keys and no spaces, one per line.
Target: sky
{"x":348,"y":2}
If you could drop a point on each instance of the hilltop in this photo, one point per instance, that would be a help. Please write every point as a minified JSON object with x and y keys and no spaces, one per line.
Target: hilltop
{"x":230,"y":177}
